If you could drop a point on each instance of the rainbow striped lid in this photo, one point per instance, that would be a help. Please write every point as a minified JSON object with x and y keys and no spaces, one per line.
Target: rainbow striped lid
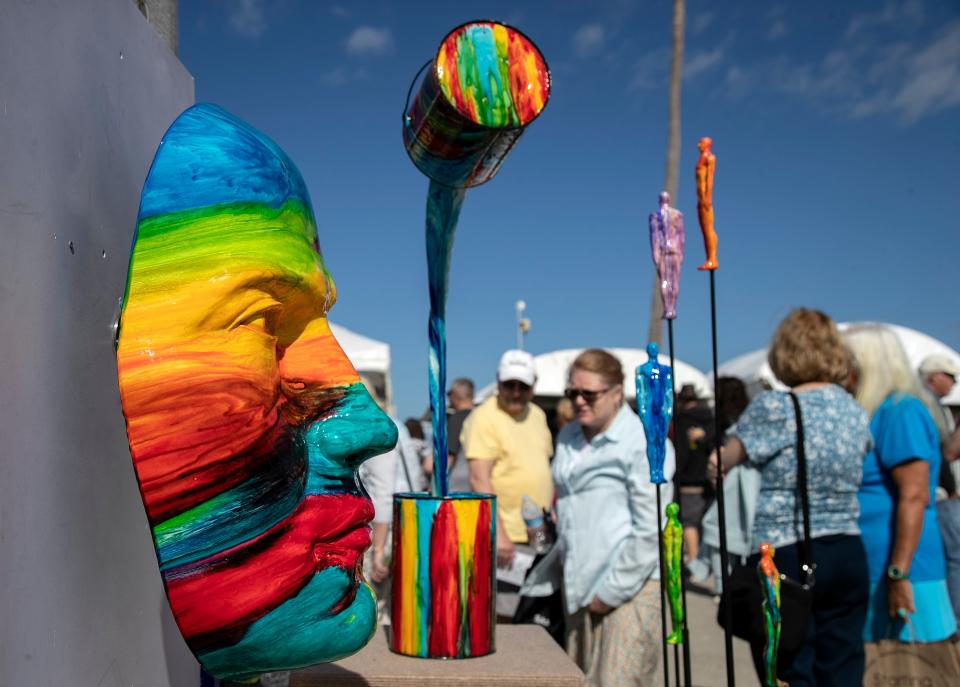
{"x":493,"y":74}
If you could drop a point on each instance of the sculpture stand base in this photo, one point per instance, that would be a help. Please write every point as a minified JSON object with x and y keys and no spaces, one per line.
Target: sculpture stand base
{"x":526,"y":655}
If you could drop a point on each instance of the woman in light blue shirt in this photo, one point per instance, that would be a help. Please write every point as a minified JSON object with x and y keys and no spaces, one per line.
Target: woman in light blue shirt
{"x":898,"y":515}
{"x":607,"y":525}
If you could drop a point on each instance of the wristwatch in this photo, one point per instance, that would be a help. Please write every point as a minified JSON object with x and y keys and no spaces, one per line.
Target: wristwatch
{"x":895,"y":573}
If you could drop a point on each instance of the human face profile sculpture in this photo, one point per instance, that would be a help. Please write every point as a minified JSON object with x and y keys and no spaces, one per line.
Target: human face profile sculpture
{"x":246,"y":421}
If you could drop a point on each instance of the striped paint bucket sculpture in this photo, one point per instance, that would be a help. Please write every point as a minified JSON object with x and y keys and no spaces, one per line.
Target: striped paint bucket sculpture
{"x":486,"y":83}
{"x":443,"y":575}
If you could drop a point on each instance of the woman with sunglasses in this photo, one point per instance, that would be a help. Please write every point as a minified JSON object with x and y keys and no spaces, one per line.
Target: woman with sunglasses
{"x":607,"y":526}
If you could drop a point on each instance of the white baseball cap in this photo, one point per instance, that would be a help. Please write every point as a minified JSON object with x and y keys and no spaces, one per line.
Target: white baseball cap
{"x":518,"y":365}
{"x":939,"y":363}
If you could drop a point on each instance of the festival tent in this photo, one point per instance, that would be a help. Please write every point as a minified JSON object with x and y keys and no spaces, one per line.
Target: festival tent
{"x":370,"y":357}
{"x":552,"y":371}
{"x":755,"y":372}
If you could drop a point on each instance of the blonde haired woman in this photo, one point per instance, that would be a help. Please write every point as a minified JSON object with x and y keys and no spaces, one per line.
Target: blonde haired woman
{"x":898,"y":518}
{"x":607,"y":527}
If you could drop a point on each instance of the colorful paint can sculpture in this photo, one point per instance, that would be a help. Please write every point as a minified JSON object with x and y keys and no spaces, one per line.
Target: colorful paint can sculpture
{"x":245,"y":419}
{"x":486,"y":83}
{"x":444,"y":552}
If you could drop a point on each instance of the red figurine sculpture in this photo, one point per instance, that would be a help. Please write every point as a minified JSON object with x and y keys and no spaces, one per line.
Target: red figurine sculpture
{"x":706,"y":165}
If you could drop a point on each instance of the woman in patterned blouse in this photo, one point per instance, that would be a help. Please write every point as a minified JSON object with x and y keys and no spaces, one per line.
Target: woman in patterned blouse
{"x":807,"y":355}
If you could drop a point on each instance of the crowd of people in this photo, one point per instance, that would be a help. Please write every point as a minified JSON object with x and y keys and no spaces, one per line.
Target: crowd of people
{"x":882,"y":466}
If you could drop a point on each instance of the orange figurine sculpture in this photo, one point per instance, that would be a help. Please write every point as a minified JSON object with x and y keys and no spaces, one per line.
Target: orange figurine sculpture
{"x":706,"y":165}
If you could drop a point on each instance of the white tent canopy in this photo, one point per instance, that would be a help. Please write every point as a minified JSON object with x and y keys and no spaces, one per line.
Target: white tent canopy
{"x":370,"y":357}
{"x":552,"y":371}
{"x":755,"y":372}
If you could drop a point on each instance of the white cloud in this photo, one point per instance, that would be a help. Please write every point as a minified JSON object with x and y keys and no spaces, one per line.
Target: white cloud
{"x":369,"y":40}
{"x":893,"y":13}
{"x":882,"y":63}
{"x":777,"y":29}
{"x":650,"y":70}
{"x":932,"y":78}
{"x":334,"y":77}
{"x":875,"y":77}
{"x":589,"y":40}
{"x":703,"y":61}
{"x":736,"y":81}
{"x":247,"y":18}
{"x":342,"y":74}
{"x":701,"y":22}
{"x":339,"y":11}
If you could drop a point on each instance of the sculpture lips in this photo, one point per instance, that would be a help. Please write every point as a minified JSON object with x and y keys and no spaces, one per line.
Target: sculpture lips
{"x":219,"y":595}
{"x":343,"y":551}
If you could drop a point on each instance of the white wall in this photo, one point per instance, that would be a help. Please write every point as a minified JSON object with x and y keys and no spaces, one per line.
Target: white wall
{"x":86,"y":91}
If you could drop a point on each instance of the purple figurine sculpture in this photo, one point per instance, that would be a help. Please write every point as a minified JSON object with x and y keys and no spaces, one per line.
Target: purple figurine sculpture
{"x":666,"y":244}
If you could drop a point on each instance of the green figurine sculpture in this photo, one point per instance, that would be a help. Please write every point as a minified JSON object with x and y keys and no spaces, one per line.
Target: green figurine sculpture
{"x":673,"y":562}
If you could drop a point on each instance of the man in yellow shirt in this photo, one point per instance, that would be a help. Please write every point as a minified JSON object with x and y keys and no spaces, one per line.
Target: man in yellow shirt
{"x":508,"y":446}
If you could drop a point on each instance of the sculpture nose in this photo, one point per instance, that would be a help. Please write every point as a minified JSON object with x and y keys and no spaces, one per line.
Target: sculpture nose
{"x":356,"y":431}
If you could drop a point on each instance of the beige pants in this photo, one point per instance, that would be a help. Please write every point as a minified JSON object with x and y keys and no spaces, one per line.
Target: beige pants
{"x":622,"y":648}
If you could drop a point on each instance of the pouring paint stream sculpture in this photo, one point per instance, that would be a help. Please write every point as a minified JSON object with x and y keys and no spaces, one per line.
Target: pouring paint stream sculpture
{"x":246,"y":422}
{"x":486,"y":83}
{"x":443,"y":210}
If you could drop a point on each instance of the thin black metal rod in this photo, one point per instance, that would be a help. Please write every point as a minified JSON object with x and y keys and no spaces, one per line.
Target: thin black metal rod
{"x":676,"y":665}
{"x":687,"y":676}
{"x":663,"y":594}
{"x":721,"y":511}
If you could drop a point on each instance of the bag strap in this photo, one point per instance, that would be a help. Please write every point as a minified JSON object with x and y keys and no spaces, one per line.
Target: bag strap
{"x":807,"y":566}
{"x":406,"y":469}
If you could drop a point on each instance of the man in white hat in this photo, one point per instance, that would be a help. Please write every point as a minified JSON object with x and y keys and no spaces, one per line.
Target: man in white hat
{"x":508,"y":446}
{"x":939,"y":373}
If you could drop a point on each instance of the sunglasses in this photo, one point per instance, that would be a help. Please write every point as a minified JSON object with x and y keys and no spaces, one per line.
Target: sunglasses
{"x":515,"y":385}
{"x":589,"y":396}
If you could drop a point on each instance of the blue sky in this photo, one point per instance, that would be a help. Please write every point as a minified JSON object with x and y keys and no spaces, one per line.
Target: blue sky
{"x":836,"y":128}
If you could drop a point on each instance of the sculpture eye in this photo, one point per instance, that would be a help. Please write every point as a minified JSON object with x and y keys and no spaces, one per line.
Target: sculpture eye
{"x":259,"y":316}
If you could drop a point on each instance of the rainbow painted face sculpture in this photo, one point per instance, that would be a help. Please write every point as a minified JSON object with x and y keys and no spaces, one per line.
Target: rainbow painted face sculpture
{"x":246,"y":421}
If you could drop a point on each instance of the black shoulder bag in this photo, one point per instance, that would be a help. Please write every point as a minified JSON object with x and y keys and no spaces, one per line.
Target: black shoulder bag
{"x":746,"y":596}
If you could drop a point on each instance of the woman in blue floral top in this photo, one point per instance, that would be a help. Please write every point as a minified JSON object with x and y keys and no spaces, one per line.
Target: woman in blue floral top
{"x":807,"y":354}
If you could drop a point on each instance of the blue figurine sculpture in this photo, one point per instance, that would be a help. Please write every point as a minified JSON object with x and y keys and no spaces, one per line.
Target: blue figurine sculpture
{"x":655,"y":407}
